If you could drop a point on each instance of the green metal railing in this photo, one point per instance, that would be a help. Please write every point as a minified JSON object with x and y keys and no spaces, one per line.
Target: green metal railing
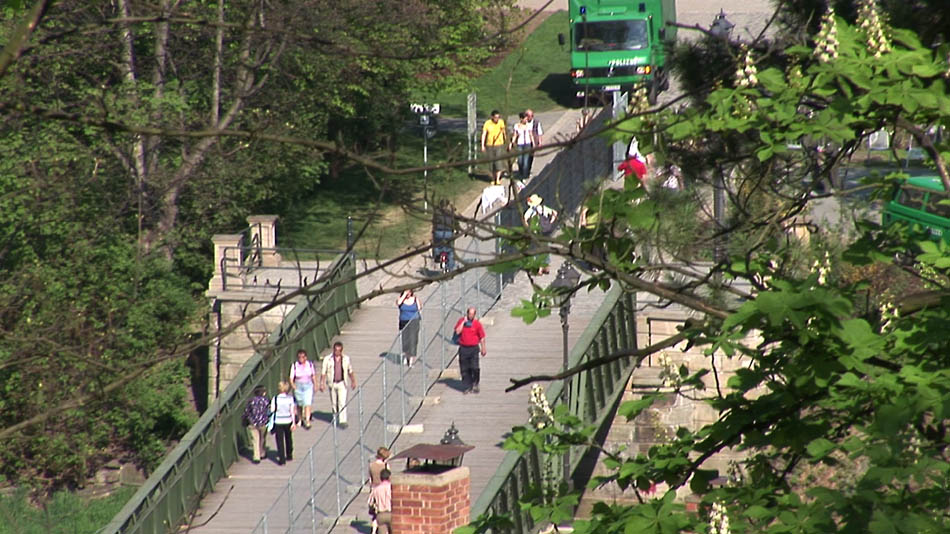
{"x":204,"y":454}
{"x":591,"y":396}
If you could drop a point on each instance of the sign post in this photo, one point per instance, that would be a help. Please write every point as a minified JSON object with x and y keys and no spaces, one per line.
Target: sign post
{"x":472,"y":133}
{"x":427,"y":120}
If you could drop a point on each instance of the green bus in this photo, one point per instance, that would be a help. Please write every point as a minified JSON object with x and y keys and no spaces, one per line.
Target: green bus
{"x":916,"y":201}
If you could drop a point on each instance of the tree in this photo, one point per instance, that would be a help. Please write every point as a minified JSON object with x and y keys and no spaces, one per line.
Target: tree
{"x":853,"y":393}
{"x":135,"y":130}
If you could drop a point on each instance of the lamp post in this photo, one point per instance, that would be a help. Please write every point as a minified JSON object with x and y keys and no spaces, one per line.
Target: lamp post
{"x":720,"y":28}
{"x":563,"y":285}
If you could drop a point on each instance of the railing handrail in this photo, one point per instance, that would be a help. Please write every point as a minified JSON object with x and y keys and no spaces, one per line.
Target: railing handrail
{"x":215,"y":427}
{"x":509,"y":466}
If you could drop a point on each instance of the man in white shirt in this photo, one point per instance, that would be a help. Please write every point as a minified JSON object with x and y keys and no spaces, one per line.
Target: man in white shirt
{"x":537,"y":133}
{"x":336,"y":367}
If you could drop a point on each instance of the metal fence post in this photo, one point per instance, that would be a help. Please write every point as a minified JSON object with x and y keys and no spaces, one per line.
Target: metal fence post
{"x":442,"y":325}
{"x":359,"y":402}
{"x":349,"y":233}
{"x":422,"y":355}
{"x":500,"y":276}
{"x":336,"y":463}
{"x":290,"y":503}
{"x":385,"y":404}
{"x":402,"y":395}
{"x":313,"y":505}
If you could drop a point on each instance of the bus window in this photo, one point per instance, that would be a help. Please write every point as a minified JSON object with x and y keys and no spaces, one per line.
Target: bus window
{"x":911,"y":198}
{"x":934,"y":205}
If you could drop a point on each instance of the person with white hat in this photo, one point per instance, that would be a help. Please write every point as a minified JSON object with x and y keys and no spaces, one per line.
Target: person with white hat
{"x":545,"y":217}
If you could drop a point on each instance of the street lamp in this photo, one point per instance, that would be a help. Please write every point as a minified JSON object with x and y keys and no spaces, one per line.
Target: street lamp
{"x":563,"y":286}
{"x":721,"y":27}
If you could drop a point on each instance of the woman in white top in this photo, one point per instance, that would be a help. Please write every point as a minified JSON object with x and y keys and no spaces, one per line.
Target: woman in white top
{"x":522,"y":139}
{"x":285,"y":420}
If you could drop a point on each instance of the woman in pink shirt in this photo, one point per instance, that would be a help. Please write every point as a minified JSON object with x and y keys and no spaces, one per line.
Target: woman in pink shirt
{"x":301,"y":380}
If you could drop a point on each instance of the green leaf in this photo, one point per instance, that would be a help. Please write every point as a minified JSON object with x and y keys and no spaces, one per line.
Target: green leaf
{"x":819,"y":448}
{"x":631,"y":409}
{"x":758,"y":513}
{"x":701,"y":478}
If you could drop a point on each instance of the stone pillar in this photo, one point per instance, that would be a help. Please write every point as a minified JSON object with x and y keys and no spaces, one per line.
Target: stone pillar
{"x":264,"y":232}
{"x":225,"y":246}
{"x":431,"y":503}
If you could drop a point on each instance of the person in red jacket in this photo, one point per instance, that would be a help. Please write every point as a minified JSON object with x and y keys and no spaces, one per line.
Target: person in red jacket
{"x":471,"y":338}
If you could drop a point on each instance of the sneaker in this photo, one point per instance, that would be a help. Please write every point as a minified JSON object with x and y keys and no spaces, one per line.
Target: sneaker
{"x":344,"y":426}
{"x":466,"y":391}
{"x":281,"y":462}
{"x":255,"y":462}
{"x":289,"y":458}
{"x":475,"y":389}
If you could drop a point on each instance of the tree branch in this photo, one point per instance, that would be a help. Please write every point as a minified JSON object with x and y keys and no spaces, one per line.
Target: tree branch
{"x":640,"y":354}
{"x":14,"y":47}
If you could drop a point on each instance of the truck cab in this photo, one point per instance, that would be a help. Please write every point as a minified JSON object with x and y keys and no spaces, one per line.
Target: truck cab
{"x":617,"y":45}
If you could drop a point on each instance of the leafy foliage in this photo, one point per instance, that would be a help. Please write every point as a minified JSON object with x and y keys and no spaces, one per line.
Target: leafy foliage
{"x":116,"y":169}
{"x":838,"y":408}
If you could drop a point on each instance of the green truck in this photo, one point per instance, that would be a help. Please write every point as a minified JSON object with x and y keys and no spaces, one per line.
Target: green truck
{"x":617,"y":45}
{"x":922,"y":202}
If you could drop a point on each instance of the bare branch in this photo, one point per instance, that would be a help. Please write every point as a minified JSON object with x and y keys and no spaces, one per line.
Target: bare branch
{"x":640,"y":354}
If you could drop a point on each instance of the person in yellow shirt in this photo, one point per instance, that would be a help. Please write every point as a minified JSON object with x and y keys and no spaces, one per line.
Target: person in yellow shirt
{"x":494,"y":140}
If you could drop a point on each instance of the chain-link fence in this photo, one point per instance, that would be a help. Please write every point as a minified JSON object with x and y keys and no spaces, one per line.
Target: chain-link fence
{"x":316,"y":495}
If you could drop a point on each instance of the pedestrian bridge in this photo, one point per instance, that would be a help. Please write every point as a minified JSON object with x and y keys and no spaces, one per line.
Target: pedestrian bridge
{"x":210,"y":482}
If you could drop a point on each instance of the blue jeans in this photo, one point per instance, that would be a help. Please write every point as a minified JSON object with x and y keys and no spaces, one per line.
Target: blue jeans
{"x":524,"y":162}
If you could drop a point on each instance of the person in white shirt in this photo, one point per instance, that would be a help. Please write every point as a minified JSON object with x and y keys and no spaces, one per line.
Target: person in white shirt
{"x":537,"y":136}
{"x":285,"y":421}
{"x":522,"y":141}
{"x":334,"y":371}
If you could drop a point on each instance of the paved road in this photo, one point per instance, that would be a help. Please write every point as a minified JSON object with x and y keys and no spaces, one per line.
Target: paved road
{"x":749,"y":16}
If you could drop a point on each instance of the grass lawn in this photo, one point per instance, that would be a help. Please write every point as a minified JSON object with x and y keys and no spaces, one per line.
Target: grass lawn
{"x":533,"y":75}
{"x":64,"y":513}
{"x":320,"y":222}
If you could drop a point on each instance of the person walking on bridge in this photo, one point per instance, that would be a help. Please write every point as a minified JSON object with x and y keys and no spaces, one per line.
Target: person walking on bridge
{"x":285,"y":420}
{"x":381,"y":499}
{"x":334,"y":371}
{"x":537,"y":136}
{"x":255,"y":417}
{"x":471,"y":337}
{"x":522,"y":141}
{"x":494,"y":141}
{"x":410,"y":316}
{"x":376,"y":467}
{"x":302,"y":376}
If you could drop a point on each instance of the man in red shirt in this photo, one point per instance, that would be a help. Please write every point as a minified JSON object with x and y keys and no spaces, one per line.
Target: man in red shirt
{"x":471,"y":338}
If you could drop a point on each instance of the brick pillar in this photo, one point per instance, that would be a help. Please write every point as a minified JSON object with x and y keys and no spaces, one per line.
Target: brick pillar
{"x":427,"y":503}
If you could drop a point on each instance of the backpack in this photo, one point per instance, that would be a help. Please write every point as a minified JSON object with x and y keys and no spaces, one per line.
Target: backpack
{"x":546,"y":222}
